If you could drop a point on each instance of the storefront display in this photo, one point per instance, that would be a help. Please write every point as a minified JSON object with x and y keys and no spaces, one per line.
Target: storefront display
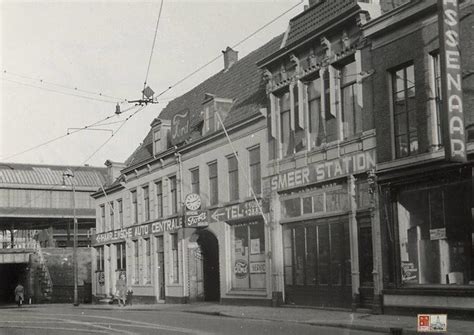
{"x":248,"y":255}
{"x":435,"y":234}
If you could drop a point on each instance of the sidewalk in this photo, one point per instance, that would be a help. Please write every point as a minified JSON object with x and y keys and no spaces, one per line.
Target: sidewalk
{"x":318,"y":317}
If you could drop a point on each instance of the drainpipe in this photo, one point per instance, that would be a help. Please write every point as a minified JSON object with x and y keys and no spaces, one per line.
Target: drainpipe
{"x":181,"y":203}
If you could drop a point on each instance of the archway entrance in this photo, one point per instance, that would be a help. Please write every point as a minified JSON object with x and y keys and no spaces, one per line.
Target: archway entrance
{"x":209,"y":246}
{"x":11,"y":275}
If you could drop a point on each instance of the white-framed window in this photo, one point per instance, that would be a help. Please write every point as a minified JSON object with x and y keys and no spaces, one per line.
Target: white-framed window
{"x":146,"y":202}
{"x":147,"y":242}
{"x":233,"y":178}
{"x":173,"y":194}
{"x":102,"y":217}
{"x":255,"y":170}
{"x":112,"y":215}
{"x":436,"y":102}
{"x":120,"y":213}
{"x":195,"y":186}
{"x":213,"y":184}
{"x":134,"y":206}
{"x":159,"y":199}
{"x":404,"y":111}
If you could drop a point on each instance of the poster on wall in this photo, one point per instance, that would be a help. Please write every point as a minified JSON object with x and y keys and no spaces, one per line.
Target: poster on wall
{"x":241,"y":269}
{"x":409,"y":272}
{"x":239,"y":248}
{"x":257,"y":267}
{"x":255,"y":246}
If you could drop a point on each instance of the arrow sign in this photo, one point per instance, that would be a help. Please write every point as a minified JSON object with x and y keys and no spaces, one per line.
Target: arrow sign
{"x":217,"y":214}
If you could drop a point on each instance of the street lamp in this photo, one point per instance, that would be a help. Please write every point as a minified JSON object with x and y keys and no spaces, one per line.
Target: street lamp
{"x":69,"y":174}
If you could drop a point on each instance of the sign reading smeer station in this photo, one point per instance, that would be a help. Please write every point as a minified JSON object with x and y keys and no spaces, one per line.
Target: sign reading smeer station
{"x":318,"y":172}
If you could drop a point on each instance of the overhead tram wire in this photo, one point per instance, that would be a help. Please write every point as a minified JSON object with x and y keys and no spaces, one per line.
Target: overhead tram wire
{"x":97,"y":123}
{"x":72,"y":88}
{"x":234,"y":46}
{"x":83,"y":163}
{"x":153,"y":44}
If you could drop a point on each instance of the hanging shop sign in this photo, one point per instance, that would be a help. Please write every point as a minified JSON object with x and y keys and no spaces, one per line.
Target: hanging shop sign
{"x":194,"y":219}
{"x":237,"y":211}
{"x":451,"y":81}
{"x":145,"y":230}
{"x":336,"y":168}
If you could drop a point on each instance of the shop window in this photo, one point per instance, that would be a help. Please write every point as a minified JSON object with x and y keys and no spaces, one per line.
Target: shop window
{"x":111,"y":215}
{"x":351,"y":111}
{"x":195,"y":188}
{"x":255,"y":170}
{"x":317,"y":254}
{"x":248,"y":256}
{"x":436,"y":235}
{"x":173,"y":195}
{"x":213,"y":184}
{"x":148,"y":260}
{"x":233,"y":178}
{"x":330,"y":200}
{"x":146,"y":202}
{"x":100,"y":258}
{"x":174,"y":256}
{"x":121,"y":256}
{"x":404,"y":112}
{"x":134,"y":207}
{"x":337,"y":200}
{"x":159,"y":199}
{"x":120,"y":213}
{"x":136,"y":262}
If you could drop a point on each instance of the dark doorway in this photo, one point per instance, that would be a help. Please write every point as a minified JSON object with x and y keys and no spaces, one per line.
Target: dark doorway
{"x":210,"y":252}
{"x":10,"y":276}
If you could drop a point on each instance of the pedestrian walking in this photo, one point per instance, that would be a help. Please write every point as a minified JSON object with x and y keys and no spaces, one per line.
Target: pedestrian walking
{"x":19,"y":294}
{"x":121,"y":287}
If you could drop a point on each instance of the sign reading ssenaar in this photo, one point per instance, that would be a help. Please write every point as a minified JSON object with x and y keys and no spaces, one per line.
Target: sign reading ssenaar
{"x":180,"y":126}
{"x":340,"y":167}
{"x":137,"y":231}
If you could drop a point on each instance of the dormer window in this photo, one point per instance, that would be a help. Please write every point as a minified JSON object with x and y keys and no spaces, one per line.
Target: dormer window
{"x":156,"y":141}
{"x":211,"y":106}
{"x":160,"y":130}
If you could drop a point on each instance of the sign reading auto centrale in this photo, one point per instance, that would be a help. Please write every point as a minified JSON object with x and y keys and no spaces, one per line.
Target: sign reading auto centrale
{"x":451,"y":81}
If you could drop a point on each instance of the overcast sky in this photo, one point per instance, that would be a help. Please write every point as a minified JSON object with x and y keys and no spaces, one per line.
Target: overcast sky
{"x":104,"y":47}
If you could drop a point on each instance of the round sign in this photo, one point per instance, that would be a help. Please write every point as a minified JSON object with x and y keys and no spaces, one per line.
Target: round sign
{"x":192,"y":201}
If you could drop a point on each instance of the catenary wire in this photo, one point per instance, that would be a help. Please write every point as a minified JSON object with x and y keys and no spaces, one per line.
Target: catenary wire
{"x":97,"y":123}
{"x":5,"y":72}
{"x":154,"y":40}
{"x":58,"y":92}
{"x":234,"y":46}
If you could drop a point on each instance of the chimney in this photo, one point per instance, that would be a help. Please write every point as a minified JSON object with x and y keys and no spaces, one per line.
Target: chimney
{"x":113,"y":170}
{"x":230,"y":57}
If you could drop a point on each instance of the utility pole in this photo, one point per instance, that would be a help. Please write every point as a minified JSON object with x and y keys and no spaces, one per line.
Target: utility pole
{"x":70,"y":174}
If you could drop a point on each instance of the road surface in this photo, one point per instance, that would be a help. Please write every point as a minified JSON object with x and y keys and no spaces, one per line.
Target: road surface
{"x":55,"y":320}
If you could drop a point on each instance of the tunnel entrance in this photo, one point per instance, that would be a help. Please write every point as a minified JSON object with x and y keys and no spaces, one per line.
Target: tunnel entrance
{"x":10,"y":275}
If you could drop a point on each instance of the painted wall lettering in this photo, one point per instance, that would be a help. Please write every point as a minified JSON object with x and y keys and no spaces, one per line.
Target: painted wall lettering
{"x":451,"y":81}
{"x":355,"y":163}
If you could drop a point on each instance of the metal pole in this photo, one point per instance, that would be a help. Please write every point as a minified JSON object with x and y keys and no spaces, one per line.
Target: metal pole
{"x":74,"y":252}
